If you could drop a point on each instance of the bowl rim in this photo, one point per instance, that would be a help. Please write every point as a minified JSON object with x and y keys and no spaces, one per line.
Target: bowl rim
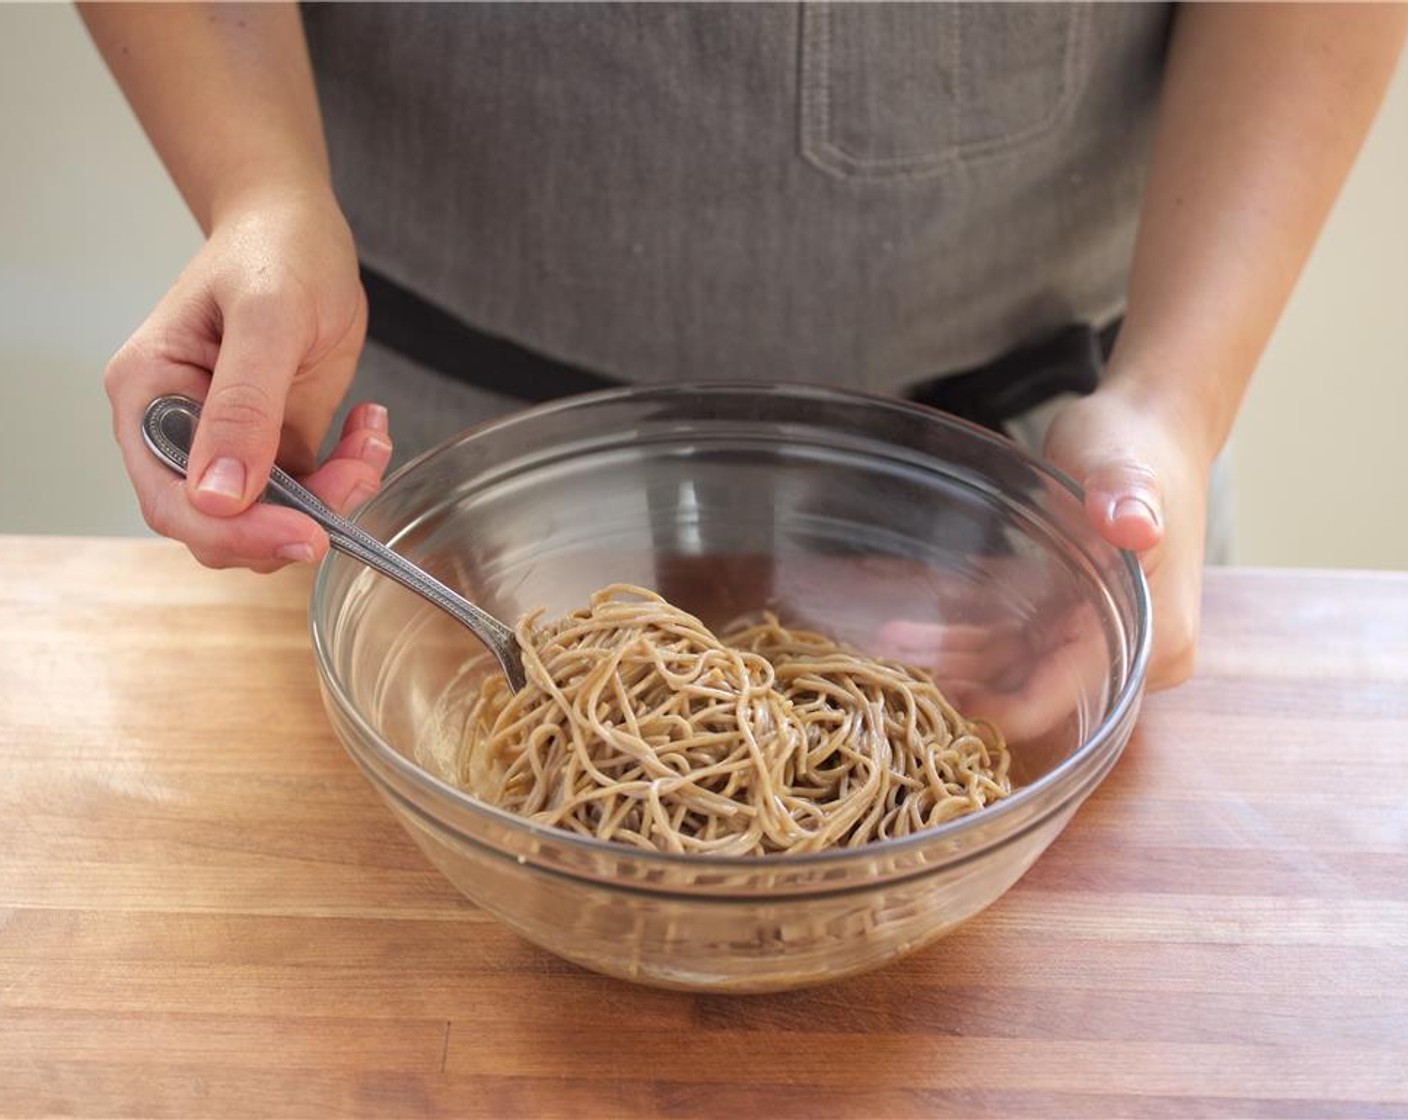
{"x":987,"y":820}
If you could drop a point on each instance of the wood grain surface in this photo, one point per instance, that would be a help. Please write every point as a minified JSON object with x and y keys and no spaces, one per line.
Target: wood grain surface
{"x":205,"y":912}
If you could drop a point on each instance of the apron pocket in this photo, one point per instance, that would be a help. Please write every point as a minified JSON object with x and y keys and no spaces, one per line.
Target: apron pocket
{"x":913,"y":90}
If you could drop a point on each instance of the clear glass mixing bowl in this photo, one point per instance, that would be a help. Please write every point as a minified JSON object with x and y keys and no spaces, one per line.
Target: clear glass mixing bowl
{"x":886,"y":525}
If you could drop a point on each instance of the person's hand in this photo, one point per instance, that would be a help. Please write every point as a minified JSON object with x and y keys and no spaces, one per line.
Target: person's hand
{"x":1027,"y":680}
{"x":1145,"y":478}
{"x":265,"y":326}
{"x":1030,"y":671}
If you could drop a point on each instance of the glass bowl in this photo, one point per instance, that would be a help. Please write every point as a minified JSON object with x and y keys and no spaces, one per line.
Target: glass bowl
{"x":886,"y":525}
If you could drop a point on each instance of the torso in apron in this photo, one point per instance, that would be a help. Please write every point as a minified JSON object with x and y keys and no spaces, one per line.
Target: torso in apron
{"x":857,"y":195}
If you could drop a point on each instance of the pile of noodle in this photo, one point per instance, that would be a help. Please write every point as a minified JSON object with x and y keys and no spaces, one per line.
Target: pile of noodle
{"x":641,"y":726}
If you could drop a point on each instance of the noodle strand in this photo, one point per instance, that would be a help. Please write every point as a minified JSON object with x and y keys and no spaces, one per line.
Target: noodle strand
{"x":639,"y":725}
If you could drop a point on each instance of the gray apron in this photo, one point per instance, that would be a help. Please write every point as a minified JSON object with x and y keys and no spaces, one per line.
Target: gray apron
{"x":859,"y":195}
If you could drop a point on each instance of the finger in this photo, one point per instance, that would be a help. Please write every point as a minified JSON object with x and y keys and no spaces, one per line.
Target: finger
{"x":353,"y":471}
{"x":906,"y":636}
{"x":1125,"y":504}
{"x":264,"y":537}
{"x":262,"y":344}
{"x":1054,"y":685}
{"x":367,"y":416}
{"x":146,"y":367}
{"x":1026,"y":713}
{"x":964,"y":652}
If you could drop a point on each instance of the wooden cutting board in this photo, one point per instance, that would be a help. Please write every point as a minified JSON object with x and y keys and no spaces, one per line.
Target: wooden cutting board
{"x":205,"y":912}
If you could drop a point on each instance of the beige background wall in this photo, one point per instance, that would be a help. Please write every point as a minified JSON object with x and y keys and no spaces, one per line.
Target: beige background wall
{"x":92,"y":233}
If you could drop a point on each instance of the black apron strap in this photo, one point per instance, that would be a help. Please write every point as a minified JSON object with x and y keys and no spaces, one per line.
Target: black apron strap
{"x":1068,"y":361}
{"x":432,"y":337}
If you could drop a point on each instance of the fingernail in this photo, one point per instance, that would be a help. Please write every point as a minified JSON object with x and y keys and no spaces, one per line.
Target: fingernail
{"x":1135,"y":509}
{"x":360,"y":493}
{"x":299,"y":553}
{"x":376,"y":451}
{"x":377,"y":419}
{"x":225,"y":477}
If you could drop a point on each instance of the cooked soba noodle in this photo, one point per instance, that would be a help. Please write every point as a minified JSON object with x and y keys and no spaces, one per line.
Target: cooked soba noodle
{"x":639,"y":725}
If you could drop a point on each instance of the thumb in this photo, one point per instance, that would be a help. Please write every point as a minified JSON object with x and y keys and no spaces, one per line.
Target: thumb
{"x":238,"y":434}
{"x":1124,"y":502}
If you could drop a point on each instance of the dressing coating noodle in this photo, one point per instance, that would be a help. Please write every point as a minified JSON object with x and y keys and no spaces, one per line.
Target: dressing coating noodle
{"x":640,"y":725}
